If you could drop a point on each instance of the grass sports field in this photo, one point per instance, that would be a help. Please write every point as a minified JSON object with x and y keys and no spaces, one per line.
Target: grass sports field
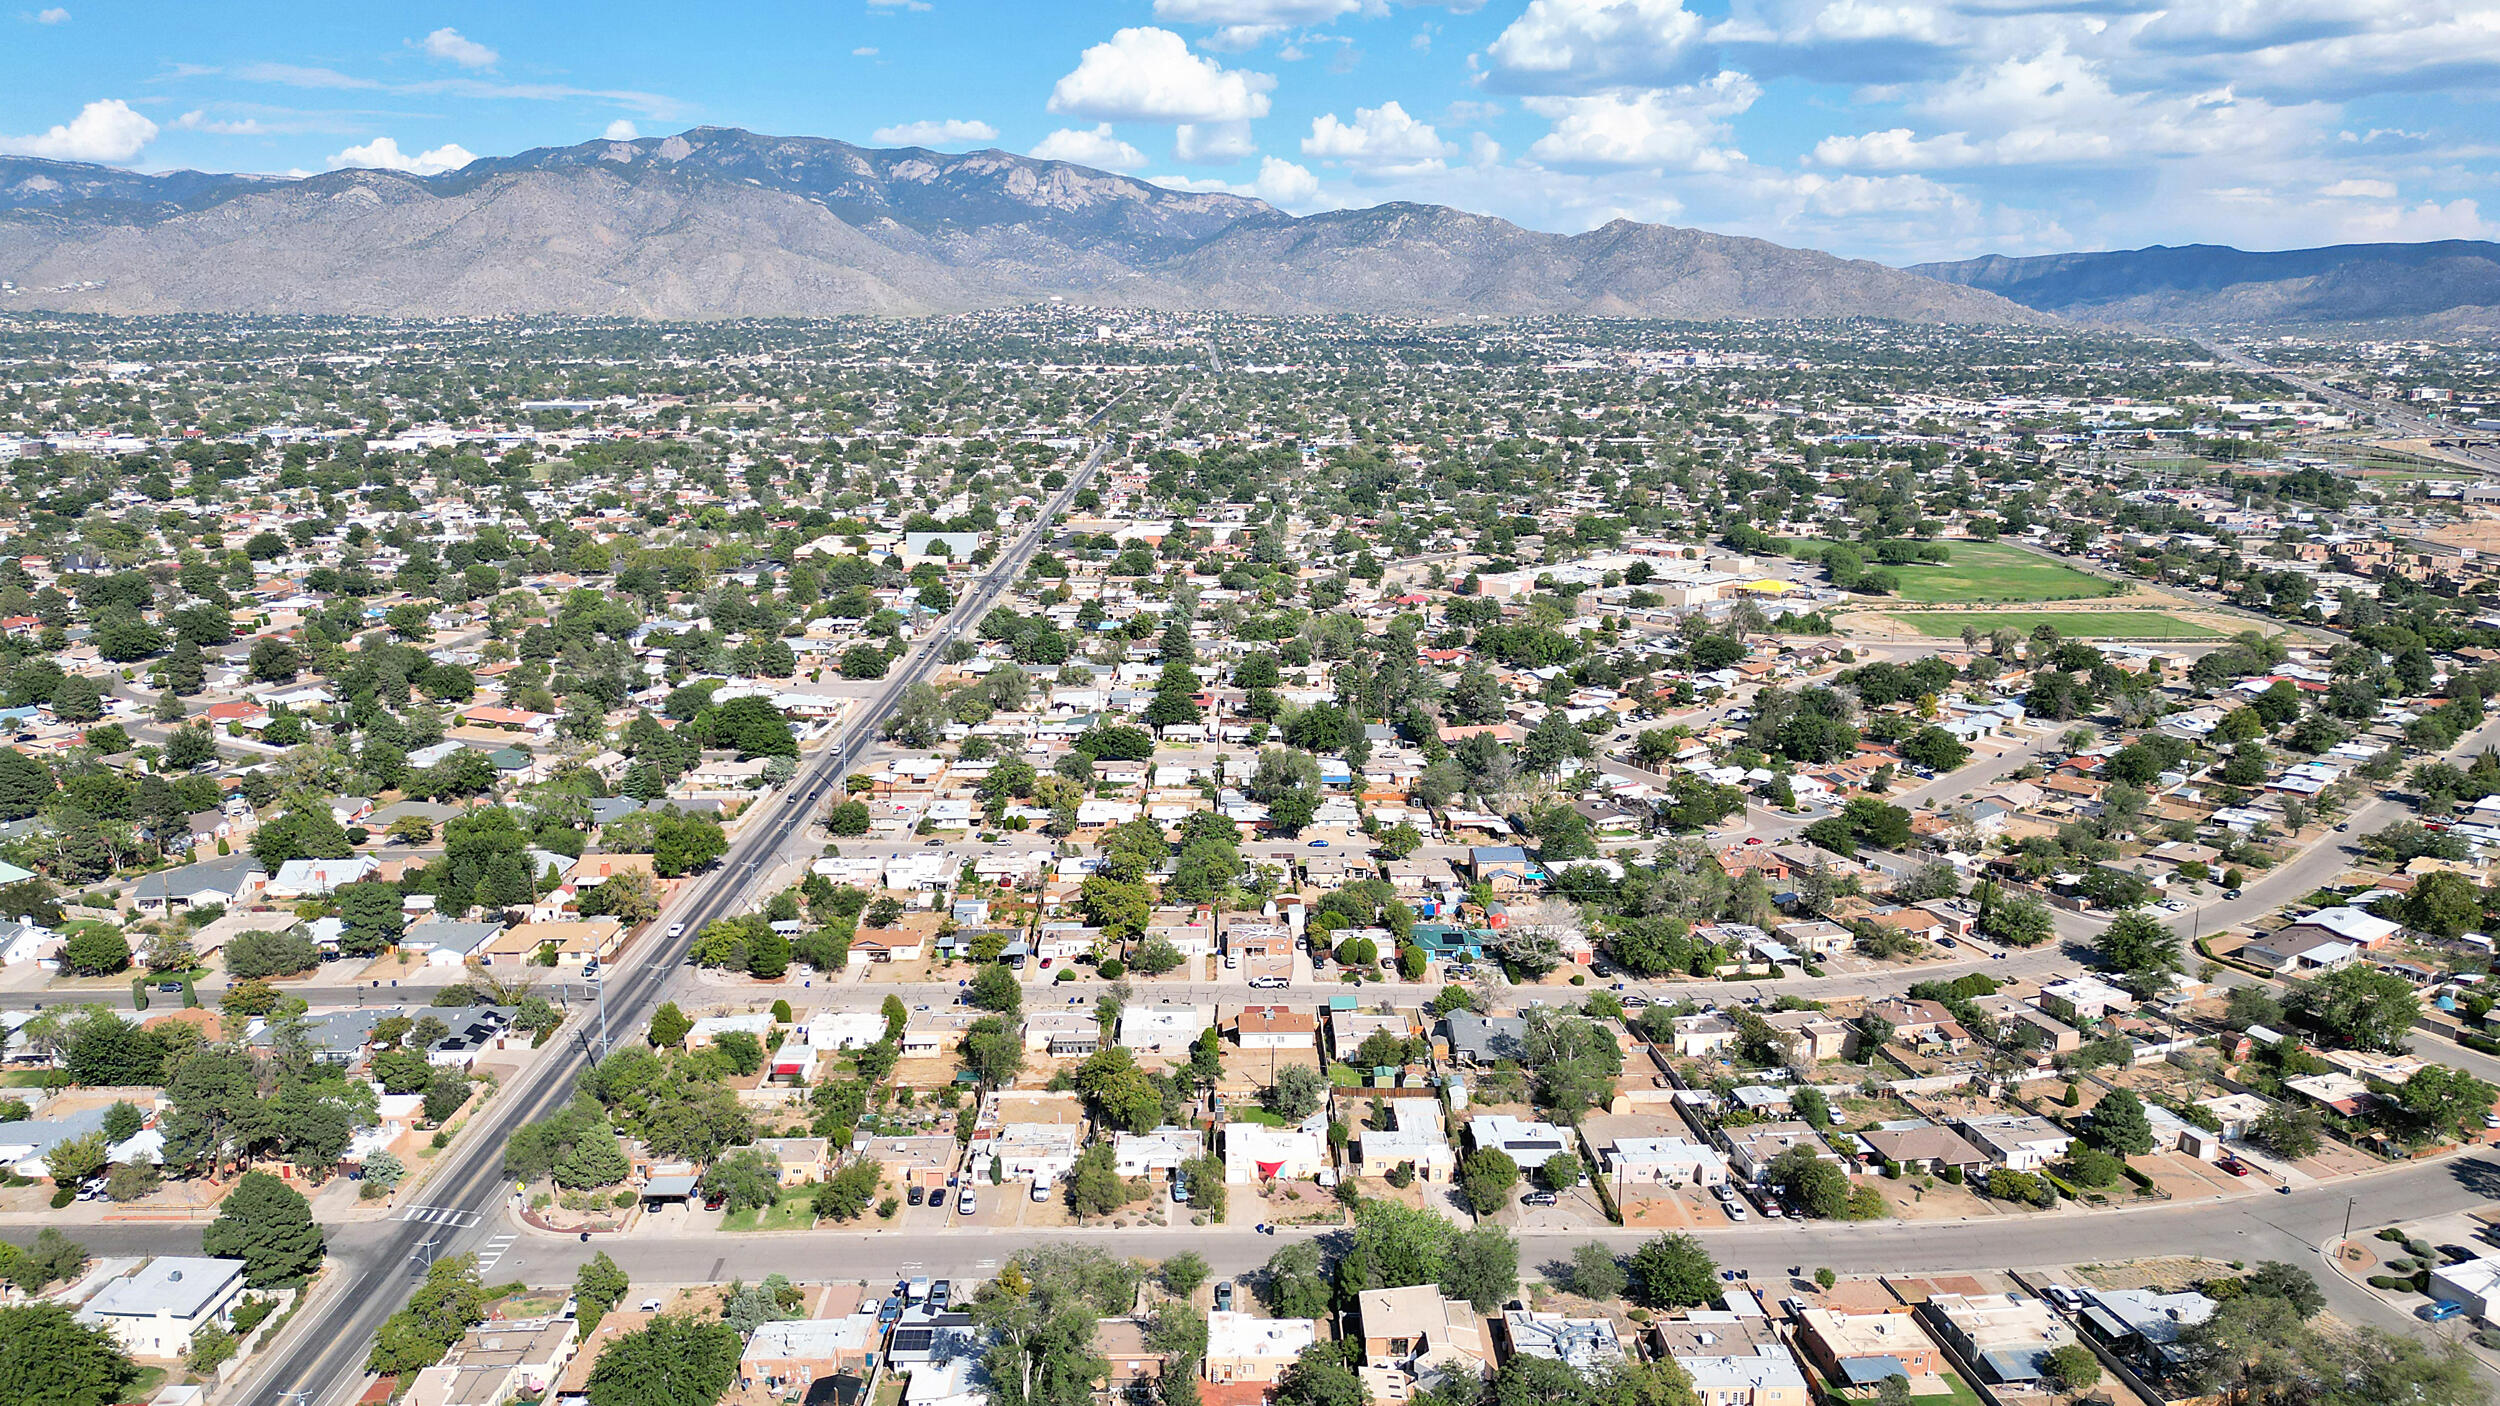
{"x":1993,"y":573}
{"x":2073,"y":624}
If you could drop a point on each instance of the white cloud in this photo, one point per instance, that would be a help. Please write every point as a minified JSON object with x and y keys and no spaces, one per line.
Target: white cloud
{"x":2058,"y":108}
{"x":1149,"y":75}
{"x":1380,"y":139}
{"x":1580,"y":46}
{"x":1281,"y":182}
{"x":1234,"y":38}
{"x":55,"y":15}
{"x":864,"y":51}
{"x":951,"y":131}
{"x":1213,"y":143}
{"x":1259,"y":12}
{"x":198,"y":120}
{"x":451,"y":46}
{"x":1844,"y":197}
{"x":914,"y":5}
{"x":107,"y":130}
{"x":657,"y":106}
{"x":2360,"y":190}
{"x":383,"y":154}
{"x":1681,"y":129}
{"x":621,"y":130}
{"x":1094,"y":146}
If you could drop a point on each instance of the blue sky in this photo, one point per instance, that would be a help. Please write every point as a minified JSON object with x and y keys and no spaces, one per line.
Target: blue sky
{"x":1887,"y":129}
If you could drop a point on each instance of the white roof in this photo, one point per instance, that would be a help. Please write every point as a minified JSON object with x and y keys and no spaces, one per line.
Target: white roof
{"x":2354,"y":925}
{"x":1233,"y":1335}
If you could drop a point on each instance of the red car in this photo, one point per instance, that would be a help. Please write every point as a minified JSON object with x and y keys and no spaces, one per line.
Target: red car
{"x":2234,"y":1166}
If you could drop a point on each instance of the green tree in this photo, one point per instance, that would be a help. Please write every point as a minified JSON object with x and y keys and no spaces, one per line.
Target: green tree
{"x":2071,"y":1368}
{"x":1292,"y":1284}
{"x":1674,"y":1271}
{"x":49,"y":1358}
{"x":669,"y":1027}
{"x":1296,"y":1094}
{"x":2359,"y":1006}
{"x":372,"y":911}
{"x":269,"y":1226}
{"x":450,"y":1302}
{"x":1487,"y":1177}
{"x":671,"y":1361}
{"x":598,"y":1286}
{"x":1597,"y":1272}
{"x":2120,"y":1124}
{"x":1094,"y":1186}
{"x":96,"y":950}
{"x":2140,"y":948}
{"x":1319,"y":1377}
{"x":1483,"y":1266}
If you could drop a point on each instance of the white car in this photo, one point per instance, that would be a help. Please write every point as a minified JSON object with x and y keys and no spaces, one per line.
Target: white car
{"x":966,"y":1206}
{"x":677,"y":930}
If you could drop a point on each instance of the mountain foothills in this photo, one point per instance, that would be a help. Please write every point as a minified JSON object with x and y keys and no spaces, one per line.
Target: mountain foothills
{"x":717,"y":222}
{"x":2447,"y":285}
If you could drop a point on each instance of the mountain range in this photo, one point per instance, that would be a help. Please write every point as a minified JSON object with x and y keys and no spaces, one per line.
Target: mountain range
{"x":2447,"y":284}
{"x":717,"y":222}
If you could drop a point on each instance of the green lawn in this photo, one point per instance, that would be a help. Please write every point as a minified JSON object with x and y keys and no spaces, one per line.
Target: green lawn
{"x":1247,"y":1112}
{"x":2076,"y":624}
{"x":1960,"y":1395}
{"x":1994,"y":573}
{"x":794,"y":1211}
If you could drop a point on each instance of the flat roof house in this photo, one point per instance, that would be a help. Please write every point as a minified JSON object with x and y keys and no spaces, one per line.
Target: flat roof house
{"x":1244,"y":1347}
{"x":2008,"y":1337}
{"x":153,"y":1310}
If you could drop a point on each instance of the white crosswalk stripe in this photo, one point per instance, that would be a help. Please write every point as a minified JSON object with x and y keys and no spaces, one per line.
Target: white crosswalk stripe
{"x":451,"y":1216}
{"x":493,"y":1251}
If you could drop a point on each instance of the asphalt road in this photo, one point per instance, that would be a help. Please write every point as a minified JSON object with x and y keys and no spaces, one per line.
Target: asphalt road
{"x":322,"y":1361}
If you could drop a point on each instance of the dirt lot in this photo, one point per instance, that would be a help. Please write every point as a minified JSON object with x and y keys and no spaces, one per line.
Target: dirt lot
{"x":2169,"y":1274}
{"x":1914,"y":1198}
{"x":1677,"y":1210}
{"x":2187,"y":1178}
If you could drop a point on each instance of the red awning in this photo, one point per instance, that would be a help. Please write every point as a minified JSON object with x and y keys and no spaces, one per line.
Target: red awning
{"x":1269,"y":1170}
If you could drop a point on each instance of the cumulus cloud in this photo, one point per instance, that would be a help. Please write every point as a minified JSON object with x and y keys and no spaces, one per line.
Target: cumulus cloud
{"x":1581,"y":46}
{"x":622,"y":131}
{"x":1381,"y":139}
{"x":2359,"y":189}
{"x":55,"y":15}
{"x":1682,"y":129}
{"x":383,"y":154}
{"x":1149,"y":75}
{"x":951,"y":131}
{"x":108,"y":130}
{"x":1279,"y":182}
{"x":1213,"y":143}
{"x":451,"y":46}
{"x":1089,"y":146}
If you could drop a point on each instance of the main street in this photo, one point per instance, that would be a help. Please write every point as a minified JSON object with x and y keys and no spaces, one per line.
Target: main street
{"x":320,"y":1359}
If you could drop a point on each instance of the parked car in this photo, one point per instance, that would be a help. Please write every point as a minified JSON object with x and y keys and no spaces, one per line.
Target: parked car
{"x":2440,"y":1312}
{"x":2234,"y":1166}
{"x":891,"y":1310}
{"x":940,"y":1293}
{"x":1224,"y":1298}
{"x":967,"y":1205}
{"x":1538,"y":1198}
{"x":915,"y":1195}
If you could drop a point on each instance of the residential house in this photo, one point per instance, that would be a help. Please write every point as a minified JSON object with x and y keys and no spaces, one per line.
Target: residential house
{"x":1275,"y":1028}
{"x":2008,"y":1337}
{"x":1432,"y":1338}
{"x":1733,"y":1358}
{"x":1244,"y":1347}
{"x":1415,"y":1139}
{"x":154,"y":1310}
{"x":2017,"y":1142}
{"x":1857,"y":1351}
{"x":1255,"y":1152}
{"x":788,"y":1355}
{"x":1924,"y":1147}
{"x":1529,"y":1144}
{"x":1589,"y":1346}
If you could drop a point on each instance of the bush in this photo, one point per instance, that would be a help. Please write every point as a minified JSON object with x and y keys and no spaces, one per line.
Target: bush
{"x":1112,"y":969}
